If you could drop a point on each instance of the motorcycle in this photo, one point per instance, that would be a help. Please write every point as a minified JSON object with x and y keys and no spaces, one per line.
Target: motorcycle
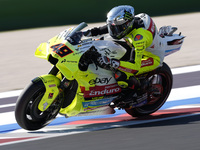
{"x":76,"y":86}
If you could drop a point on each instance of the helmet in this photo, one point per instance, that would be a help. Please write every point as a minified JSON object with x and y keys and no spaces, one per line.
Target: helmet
{"x":120,"y":21}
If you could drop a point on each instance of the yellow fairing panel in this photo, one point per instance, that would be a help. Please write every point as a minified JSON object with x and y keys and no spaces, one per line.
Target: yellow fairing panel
{"x":44,"y":49}
{"x":51,"y":83}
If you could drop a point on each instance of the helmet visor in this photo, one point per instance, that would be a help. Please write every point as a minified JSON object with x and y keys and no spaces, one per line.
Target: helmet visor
{"x":117,"y":31}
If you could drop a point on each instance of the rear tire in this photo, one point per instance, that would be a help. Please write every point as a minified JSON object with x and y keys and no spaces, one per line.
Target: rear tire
{"x":149,"y":108}
{"x":27,"y":114}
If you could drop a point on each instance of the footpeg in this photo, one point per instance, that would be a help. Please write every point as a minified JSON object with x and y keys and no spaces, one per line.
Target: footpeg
{"x":140,"y":101}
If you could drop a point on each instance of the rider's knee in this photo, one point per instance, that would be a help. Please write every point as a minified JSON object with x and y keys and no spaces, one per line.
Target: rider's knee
{"x":124,"y":81}
{"x":120,"y":76}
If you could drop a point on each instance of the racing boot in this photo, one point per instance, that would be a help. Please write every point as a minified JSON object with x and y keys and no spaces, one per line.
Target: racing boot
{"x":128,"y":94}
{"x":141,"y":94}
{"x":144,"y":84}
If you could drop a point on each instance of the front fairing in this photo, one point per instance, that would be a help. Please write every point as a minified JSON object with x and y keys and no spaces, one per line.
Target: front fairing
{"x":61,"y":49}
{"x":44,"y":49}
{"x":68,"y":59}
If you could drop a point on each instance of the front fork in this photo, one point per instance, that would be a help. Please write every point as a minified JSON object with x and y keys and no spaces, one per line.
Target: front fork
{"x":53,"y":86}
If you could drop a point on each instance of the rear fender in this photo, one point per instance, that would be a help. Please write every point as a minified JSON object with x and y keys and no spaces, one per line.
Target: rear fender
{"x":51,"y":84}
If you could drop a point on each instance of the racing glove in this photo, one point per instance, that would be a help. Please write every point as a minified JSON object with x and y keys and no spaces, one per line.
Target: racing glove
{"x":106,"y":63}
{"x":87,"y":33}
{"x":167,"y":30}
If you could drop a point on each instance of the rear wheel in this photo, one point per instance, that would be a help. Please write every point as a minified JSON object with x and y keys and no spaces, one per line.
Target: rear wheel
{"x":157,"y":94}
{"x":27,"y":114}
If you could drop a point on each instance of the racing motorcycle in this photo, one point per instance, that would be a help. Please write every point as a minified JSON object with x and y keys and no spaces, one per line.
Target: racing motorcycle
{"x":76,"y":86}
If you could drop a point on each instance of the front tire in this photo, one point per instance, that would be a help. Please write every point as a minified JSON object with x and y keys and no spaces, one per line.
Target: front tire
{"x":27,"y":114}
{"x":167,"y":80}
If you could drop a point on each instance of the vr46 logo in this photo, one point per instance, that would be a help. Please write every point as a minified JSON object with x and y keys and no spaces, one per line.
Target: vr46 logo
{"x":100,"y":80}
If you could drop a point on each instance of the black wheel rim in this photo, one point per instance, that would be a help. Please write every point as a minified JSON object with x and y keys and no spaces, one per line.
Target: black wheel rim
{"x":149,"y":108}
{"x":34,"y":115}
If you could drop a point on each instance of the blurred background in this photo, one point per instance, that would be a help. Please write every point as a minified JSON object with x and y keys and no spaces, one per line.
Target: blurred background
{"x":24,"y":24}
{"x":23,"y":14}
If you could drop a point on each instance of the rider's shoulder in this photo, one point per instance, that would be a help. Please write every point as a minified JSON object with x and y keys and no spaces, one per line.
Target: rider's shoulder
{"x":146,"y":19}
{"x":143,"y":16}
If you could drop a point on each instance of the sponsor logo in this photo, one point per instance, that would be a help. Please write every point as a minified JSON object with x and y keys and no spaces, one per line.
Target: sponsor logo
{"x":128,"y":15}
{"x":101,"y":90}
{"x":138,"y":37}
{"x":148,"y":62}
{"x":68,"y":61}
{"x":50,"y":95}
{"x":152,"y":27}
{"x":52,"y":85}
{"x":106,"y":51}
{"x":127,"y":70}
{"x":97,"y":103}
{"x":45,"y":105}
{"x":100,"y":80}
{"x":104,"y":92}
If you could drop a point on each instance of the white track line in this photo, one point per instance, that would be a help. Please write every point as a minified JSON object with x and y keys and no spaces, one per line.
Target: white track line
{"x":184,"y":93}
{"x":10,"y":94}
{"x":186,"y":69}
{"x":7,"y":105}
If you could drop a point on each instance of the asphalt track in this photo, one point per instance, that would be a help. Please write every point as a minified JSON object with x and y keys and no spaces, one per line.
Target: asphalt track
{"x":17,"y":51}
{"x":174,"y":134}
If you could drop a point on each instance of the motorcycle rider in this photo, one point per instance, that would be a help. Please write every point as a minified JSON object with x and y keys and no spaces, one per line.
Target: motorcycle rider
{"x":145,"y":49}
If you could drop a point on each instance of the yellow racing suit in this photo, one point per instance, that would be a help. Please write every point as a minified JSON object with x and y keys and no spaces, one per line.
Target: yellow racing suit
{"x":148,"y":48}
{"x":146,"y":44}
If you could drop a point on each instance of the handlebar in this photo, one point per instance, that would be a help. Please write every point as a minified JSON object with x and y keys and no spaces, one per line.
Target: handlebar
{"x":78,"y":28}
{"x":75,"y":35}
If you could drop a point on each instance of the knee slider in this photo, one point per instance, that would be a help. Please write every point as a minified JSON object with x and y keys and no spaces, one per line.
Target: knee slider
{"x":120,"y":76}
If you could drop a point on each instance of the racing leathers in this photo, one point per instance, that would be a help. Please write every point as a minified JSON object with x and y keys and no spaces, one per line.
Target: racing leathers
{"x":145,"y":43}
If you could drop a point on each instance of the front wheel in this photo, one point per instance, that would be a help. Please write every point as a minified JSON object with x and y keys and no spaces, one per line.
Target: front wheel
{"x":155,"y":101}
{"x":27,"y":114}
